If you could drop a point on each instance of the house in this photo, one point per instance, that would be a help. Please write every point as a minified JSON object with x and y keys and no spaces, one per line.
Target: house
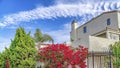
{"x":40,"y":45}
{"x":97,"y":35}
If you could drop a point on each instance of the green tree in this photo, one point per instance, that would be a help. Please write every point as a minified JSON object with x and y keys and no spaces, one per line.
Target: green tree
{"x":116,"y":54}
{"x":3,"y":57}
{"x":40,"y":38}
{"x":21,"y":53}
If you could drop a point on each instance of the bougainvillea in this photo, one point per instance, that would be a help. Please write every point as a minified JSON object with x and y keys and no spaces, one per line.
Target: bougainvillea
{"x":62,"y":56}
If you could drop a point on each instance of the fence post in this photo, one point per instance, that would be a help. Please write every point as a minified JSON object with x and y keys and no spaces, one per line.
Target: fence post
{"x":93,"y":58}
{"x":100,"y":63}
{"x":110,"y":53}
{"x":88,"y":61}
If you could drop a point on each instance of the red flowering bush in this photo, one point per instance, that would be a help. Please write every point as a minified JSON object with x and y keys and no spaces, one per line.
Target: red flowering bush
{"x":61,"y":56}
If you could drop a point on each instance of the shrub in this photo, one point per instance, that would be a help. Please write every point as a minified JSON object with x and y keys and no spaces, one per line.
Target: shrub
{"x":62,"y":56}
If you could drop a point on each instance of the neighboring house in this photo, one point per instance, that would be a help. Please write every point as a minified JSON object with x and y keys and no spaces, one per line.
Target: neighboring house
{"x":97,"y":35}
{"x":40,"y":45}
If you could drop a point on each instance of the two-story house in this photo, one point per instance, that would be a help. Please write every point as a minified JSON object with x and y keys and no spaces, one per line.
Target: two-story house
{"x":97,"y":34}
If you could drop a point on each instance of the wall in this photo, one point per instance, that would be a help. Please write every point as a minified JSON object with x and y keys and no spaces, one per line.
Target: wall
{"x":118,"y":18}
{"x":98,"y":44}
{"x":74,"y":26}
{"x":96,"y":25}
{"x":81,"y":42}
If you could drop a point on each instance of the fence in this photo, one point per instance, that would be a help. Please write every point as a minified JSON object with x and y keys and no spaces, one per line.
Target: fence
{"x":99,"y":59}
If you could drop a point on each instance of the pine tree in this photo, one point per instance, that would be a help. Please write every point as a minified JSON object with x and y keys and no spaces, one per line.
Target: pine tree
{"x":21,"y":53}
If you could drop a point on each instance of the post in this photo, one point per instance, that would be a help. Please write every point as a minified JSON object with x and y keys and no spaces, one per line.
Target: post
{"x":93,"y":58}
{"x":110,"y":53}
{"x":100,"y":63}
{"x":88,"y":61}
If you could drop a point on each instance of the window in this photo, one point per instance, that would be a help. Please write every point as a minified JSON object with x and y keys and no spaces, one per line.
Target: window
{"x":108,"y":21}
{"x":85,"y":29}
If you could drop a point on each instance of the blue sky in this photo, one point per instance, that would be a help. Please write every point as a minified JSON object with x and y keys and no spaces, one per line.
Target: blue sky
{"x":53,"y":17}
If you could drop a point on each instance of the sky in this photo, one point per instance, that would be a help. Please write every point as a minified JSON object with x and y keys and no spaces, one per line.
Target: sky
{"x":52,"y":17}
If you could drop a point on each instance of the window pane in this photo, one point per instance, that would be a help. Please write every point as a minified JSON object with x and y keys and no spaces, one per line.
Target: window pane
{"x":108,"y":21}
{"x":85,"y":29}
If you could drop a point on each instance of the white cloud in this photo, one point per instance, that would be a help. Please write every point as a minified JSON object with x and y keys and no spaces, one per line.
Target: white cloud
{"x":59,"y":10}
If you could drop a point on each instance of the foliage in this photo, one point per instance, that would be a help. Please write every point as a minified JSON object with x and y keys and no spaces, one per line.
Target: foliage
{"x":116,"y":54}
{"x":39,"y":37}
{"x":21,"y":53}
{"x":61,"y":56}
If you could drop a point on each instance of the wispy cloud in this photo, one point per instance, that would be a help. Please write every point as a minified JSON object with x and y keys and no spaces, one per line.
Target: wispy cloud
{"x":60,"y":10}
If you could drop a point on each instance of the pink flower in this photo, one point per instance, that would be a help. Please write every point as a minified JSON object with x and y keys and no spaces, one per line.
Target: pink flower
{"x":58,"y":54}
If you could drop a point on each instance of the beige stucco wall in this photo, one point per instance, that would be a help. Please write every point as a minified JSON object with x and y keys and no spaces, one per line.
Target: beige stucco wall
{"x":98,"y":44}
{"x":83,"y":42}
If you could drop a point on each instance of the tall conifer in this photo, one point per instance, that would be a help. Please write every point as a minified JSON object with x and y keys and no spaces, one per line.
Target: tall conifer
{"x":21,"y":53}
